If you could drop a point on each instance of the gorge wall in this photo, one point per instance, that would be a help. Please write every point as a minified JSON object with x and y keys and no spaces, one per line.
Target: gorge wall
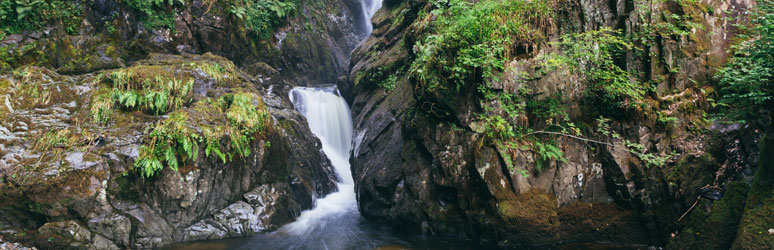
{"x":120,"y":134}
{"x":479,"y":160}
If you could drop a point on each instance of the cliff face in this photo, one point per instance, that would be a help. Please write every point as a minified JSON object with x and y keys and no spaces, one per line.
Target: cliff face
{"x":311,"y":46}
{"x":432,"y":160}
{"x":82,"y":107}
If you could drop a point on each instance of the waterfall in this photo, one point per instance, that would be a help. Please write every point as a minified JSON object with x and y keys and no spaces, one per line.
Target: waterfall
{"x":334,"y":222}
{"x":330,"y":120}
{"x":369,"y":9}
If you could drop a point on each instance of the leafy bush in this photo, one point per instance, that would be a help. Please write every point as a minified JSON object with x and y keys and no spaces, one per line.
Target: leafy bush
{"x":156,"y":13}
{"x":179,"y":138}
{"x":593,"y":54}
{"x":33,"y":15}
{"x":469,"y":43}
{"x":747,"y":80}
{"x":262,"y":17}
{"x":156,"y":96}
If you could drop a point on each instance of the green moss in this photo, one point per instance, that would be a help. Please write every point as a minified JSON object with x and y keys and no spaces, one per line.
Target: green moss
{"x":693,"y":172}
{"x":758,"y":215}
{"x":121,"y":187}
{"x":717,"y":228}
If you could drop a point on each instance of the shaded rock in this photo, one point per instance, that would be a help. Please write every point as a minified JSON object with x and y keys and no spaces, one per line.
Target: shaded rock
{"x":425,"y":165}
{"x":758,"y":215}
{"x":83,"y":179}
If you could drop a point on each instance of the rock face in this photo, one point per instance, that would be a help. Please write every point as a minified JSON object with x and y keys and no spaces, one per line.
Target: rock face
{"x":428,"y":169}
{"x":73,"y":180}
{"x":69,"y":143}
{"x":310,"y":47}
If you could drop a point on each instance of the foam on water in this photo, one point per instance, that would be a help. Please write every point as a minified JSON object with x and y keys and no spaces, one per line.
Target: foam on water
{"x":334,"y":223}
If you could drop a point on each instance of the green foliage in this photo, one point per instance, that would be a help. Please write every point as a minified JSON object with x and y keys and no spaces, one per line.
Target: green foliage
{"x":468,"y":44}
{"x":666,"y":120}
{"x":101,"y":108}
{"x":664,"y":23}
{"x":514,"y":132}
{"x":178,"y":139}
{"x":213,"y":70}
{"x":155,"y":96}
{"x":34,"y":15}
{"x":498,"y":128}
{"x":168,"y":138}
{"x":389,"y":83}
{"x":650,"y":159}
{"x":156,"y":13}
{"x":262,"y":17}
{"x":53,"y":138}
{"x":548,"y":151}
{"x":593,"y":54}
{"x":245,"y":121}
{"x":747,"y":80}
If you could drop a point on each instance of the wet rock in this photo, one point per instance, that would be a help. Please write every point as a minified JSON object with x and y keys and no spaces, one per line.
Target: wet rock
{"x":427,"y":168}
{"x":70,"y":230}
{"x":264,"y":208}
{"x":64,"y":172}
{"x":115,"y":227}
{"x":13,"y":246}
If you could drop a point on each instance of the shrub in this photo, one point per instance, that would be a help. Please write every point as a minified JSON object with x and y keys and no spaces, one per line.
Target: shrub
{"x":262,"y":17}
{"x":469,"y":43}
{"x":593,"y":55}
{"x":179,"y":137}
{"x":747,"y":80}
{"x":156,"y":14}
{"x":34,"y":15}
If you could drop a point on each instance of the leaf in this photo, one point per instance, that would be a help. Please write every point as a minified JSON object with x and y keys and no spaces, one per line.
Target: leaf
{"x":171,"y":158}
{"x":131,"y":99}
{"x":195,"y":152}
{"x":220,"y":154}
{"x":187,"y":147}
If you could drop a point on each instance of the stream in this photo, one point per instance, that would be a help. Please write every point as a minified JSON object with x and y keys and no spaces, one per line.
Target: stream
{"x":335,"y":222}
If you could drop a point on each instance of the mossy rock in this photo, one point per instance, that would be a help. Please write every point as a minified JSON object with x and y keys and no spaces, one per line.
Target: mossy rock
{"x":66,"y":54}
{"x":713,"y":225}
{"x":758,"y":217}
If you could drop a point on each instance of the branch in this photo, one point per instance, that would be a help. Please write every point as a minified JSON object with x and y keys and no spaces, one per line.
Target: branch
{"x":571,"y":136}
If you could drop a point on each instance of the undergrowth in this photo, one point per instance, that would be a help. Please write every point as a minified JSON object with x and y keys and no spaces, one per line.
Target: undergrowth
{"x":34,"y":15}
{"x":465,"y":46}
{"x":747,"y":80}
{"x":156,"y":14}
{"x":262,"y":17}
{"x":177,"y":140}
{"x":469,"y":43}
{"x":154,"y":96}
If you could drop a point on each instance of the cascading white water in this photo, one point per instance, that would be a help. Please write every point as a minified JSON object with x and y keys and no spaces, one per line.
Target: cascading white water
{"x":335,"y":222}
{"x":329,"y":119}
{"x":369,"y":9}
